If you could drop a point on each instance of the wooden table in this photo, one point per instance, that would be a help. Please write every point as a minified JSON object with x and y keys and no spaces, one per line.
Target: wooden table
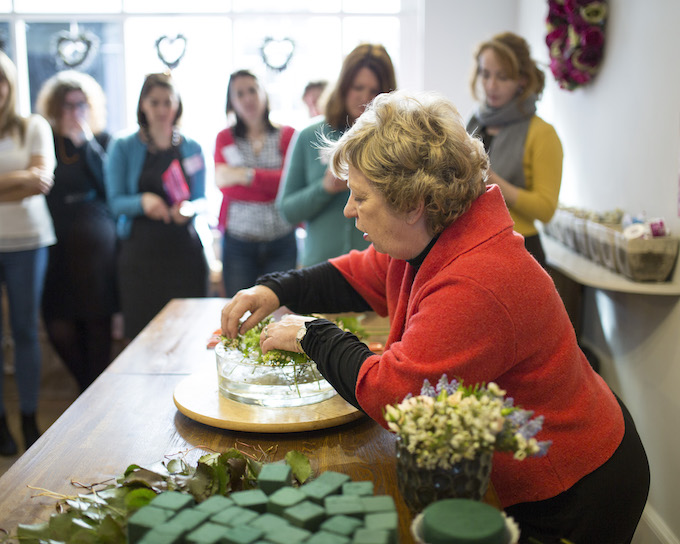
{"x":128,"y":416}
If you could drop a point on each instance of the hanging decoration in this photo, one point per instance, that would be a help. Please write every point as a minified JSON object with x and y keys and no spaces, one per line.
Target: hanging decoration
{"x":575,"y":39}
{"x":171,"y":49}
{"x":75,"y":49}
{"x":277,"y":53}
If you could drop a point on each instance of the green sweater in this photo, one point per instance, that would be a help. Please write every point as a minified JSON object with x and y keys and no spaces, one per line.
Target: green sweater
{"x":302,"y":199}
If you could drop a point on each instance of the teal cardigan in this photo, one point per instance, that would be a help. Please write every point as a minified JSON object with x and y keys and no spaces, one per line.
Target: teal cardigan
{"x":302,"y":199}
{"x":123,"y":167}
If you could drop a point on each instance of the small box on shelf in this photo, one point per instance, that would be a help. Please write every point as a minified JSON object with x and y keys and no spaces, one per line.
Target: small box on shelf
{"x":646,"y":259}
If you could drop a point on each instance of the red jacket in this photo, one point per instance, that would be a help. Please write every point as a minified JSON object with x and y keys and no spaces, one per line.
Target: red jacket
{"x":482,"y":309}
{"x":265,"y":185}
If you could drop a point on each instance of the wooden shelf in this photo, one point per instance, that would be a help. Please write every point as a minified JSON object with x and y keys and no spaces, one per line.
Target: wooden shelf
{"x":586,"y":272}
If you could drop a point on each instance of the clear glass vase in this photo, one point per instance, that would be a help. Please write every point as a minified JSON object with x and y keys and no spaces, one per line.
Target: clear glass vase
{"x":468,"y":479}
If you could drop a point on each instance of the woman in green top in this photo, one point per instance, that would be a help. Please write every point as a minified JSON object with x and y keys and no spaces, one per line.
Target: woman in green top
{"x":310,"y":193}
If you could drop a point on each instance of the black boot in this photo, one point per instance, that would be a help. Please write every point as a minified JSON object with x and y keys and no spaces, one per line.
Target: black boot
{"x":30,"y":429}
{"x":7,"y":444}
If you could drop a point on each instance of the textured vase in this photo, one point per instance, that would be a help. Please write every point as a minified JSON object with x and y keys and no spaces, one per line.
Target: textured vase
{"x":468,"y":479}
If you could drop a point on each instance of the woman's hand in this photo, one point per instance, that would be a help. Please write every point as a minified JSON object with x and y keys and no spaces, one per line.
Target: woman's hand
{"x":182,"y":212}
{"x":259,"y":300}
{"x":38,"y":181}
{"x":155,"y":207}
{"x":332,"y":184}
{"x":281,"y":334}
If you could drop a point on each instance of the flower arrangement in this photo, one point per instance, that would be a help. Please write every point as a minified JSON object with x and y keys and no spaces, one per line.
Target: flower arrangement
{"x":575,"y":40}
{"x":451,"y":422}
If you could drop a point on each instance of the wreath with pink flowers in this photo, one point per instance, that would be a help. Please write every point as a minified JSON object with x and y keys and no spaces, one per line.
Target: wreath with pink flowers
{"x":575,"y":40}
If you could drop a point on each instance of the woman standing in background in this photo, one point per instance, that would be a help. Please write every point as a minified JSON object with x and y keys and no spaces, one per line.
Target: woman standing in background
{"x":80,"y":295}
{"x":525,"y":151}
{"x":155,"y":182}
{"x":248,"y":160}
{"x":310,"y":192}
{"x":26,"y":231}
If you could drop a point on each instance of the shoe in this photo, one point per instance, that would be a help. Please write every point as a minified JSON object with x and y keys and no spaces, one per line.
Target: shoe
{"x":29,"y":428}
{"x":7,"y":444}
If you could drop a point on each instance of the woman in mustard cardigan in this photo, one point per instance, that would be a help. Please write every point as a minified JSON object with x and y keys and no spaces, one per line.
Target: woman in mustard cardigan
{"x":465,"y":299}
{"x":525,"y":151}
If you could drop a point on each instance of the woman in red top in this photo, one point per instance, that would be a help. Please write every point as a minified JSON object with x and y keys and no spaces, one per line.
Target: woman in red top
{"x":465,"y":299}
{"x":248,"y":161}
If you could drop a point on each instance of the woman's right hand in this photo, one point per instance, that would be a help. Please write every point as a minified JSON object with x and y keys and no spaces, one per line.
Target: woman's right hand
{"x":259,"y":300}
{"x":39,"y":180}
{"x":155,"y":207}
{"x":332,"y":184}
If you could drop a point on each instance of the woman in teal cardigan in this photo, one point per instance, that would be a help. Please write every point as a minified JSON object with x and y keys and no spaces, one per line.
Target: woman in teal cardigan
{"x":310,"y":193}
{"x":155,"y":180}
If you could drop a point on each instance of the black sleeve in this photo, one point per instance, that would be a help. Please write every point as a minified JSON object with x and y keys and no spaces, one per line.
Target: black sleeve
{"x":338,"y":355}
{"x":316,"y":289}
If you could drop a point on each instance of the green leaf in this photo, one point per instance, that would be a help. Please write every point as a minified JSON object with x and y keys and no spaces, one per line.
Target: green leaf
{"x":130,"y":469}
{"x":147,"y":478}
{"x":299,"y":465}
{"x":33,"y":533}
{"x":178,"y":466}
{"x":137,"y":498}
{"x":111,"y":532}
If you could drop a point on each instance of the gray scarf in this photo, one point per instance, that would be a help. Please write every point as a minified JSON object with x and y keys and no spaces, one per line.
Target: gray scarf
{"x":507,"y":147}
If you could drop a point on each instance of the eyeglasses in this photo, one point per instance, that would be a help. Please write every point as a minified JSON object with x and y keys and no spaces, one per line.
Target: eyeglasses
{"x":73,"y":106}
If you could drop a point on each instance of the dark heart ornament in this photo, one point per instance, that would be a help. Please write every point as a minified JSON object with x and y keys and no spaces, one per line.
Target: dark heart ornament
{"x":76,"y":49}
{"x":171,"y":49}
{"x":276,"y":54}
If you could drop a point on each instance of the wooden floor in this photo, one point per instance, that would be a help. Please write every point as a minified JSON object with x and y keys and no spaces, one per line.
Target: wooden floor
{"x":57,"y":391}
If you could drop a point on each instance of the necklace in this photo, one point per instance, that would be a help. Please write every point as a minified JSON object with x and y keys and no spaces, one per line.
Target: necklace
{"x":63,"y":156}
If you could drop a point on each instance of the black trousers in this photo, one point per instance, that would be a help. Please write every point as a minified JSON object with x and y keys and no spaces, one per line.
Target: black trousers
{"x":603,"y":507}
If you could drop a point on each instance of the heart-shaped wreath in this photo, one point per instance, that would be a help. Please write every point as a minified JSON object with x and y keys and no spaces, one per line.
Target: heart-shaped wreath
{"x":276,"y":54}
{"x":73,"y":50}
{"x":575,"y":40}
{"x":171,"y":50}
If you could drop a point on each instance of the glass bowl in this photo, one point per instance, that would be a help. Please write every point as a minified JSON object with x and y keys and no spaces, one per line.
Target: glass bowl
{"x":245,"y":380}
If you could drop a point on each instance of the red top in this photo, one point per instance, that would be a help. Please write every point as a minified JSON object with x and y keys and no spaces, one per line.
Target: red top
{"x":482,"y":309}
{"x":265,"y":185}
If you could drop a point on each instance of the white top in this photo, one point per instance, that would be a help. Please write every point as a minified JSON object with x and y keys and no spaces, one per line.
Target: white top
{"x":26,"y":224}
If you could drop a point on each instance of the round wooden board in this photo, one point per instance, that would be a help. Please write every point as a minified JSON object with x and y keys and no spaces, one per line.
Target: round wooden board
{"x":198,"y":398}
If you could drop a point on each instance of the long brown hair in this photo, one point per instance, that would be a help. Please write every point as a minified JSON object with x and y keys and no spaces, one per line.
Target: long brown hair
{"x":11,"y":123}
{"x":240,"y":128}
{"x":371,"y":56}
{"x":152,"y":81}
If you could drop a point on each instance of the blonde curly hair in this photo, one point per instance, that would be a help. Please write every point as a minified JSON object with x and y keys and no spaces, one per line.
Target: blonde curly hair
{"x":50,"y":103}
{"x":414,"y":147}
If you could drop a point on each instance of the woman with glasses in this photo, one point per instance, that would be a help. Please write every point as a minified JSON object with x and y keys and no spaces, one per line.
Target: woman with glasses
{"x":80,"y":288}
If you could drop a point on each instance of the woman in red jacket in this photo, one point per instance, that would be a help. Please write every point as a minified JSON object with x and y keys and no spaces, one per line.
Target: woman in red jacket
{"x":465,"y":299}
{"x":248,"y":161}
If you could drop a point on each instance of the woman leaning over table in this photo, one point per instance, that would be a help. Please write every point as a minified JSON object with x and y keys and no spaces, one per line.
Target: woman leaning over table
{"x":80,"y":295}
{"x":525,"y":151}
{"x":26,"y":231}
{"x":155,"y":182}
{"x":455,"y":280}
{"x":310,"y":193}
{"x":248,"y":160}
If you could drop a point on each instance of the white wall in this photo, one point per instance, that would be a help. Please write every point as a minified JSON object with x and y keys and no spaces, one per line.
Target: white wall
{"x":621,"y":137}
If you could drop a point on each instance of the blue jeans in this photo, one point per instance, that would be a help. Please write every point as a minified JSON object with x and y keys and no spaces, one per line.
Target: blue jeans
{"x":243,"y":262}
{"x":23,"y":273}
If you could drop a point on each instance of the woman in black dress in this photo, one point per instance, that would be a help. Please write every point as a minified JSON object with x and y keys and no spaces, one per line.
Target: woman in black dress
{"x":80,"y":297}
{"x":155,"y":182}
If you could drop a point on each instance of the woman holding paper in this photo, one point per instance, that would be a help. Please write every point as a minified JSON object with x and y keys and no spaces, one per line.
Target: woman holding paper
{"x":155,"y":180}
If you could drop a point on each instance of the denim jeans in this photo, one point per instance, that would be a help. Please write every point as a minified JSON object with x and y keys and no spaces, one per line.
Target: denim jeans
{"x":243,"y":262}
{"x":23,"y":273}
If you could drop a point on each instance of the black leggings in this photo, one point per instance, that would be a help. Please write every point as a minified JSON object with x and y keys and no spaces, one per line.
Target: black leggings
{"x":604,"y":507}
